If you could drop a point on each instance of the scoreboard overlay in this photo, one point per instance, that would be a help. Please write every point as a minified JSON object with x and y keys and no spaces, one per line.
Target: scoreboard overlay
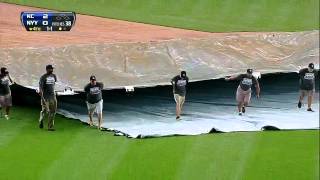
{"x":48,"y":21}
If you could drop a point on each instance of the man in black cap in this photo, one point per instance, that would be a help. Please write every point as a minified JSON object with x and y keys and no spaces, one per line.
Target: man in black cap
{"x":307,"y":85}
{"x":5,"y":92}
{"x":179,"y":84}
{"x":243,"y":95}
{"x":48,"y":97}
{"x":94,"y":99}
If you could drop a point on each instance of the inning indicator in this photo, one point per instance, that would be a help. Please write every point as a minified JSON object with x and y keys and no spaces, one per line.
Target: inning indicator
{"x":48,"y":21}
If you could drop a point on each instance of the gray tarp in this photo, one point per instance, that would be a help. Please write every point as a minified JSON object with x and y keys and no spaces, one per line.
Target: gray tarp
{"x":154,"y":63}
{"x":209,"y":105}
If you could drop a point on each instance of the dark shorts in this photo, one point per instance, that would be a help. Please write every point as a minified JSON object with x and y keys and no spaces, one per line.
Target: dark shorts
{"x":304,"y":92}
{"x":5,"y":100}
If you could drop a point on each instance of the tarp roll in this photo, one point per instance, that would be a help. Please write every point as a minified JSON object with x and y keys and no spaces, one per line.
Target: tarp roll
{"x":155,"y":63}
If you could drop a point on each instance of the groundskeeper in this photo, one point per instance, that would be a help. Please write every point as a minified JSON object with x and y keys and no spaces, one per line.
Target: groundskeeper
{"x":307,"y":85}
{"x":5,"y":92}
{"x":243,"y":94}
{"x":94,"y":100}
{"x":48,"y":97}
{"x":179,"y":84}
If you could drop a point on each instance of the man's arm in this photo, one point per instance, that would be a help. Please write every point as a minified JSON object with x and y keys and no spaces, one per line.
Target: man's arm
{"x":302,"y":72}
{"x":173,"y":80}
{"x":236,"y":77}
{"x":41,"y":83}
{"x":86,"y":88}
{"x":257,"y":87}
{"x":10,"y":79}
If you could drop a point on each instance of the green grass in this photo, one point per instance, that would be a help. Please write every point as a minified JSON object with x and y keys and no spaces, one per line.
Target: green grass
{"x":204,"y":15}
{"x":76,"y":151}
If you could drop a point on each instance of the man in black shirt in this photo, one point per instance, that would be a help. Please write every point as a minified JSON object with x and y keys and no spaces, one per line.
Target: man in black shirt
{"x":179,"y":84}
{"x":94,"y":100}
{"x":48,"y":97}
{"x":5,"y":92}
{"x":244,"y":89}
{"x":307,"y":85}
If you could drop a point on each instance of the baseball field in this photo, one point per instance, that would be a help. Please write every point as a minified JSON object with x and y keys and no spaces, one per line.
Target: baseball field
{"x":203,"y":15}
{"x":77,"y":151}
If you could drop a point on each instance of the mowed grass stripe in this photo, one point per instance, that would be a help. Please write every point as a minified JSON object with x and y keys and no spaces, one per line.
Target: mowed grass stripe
{"x":76,"y":151}
{"x":203,"y":15}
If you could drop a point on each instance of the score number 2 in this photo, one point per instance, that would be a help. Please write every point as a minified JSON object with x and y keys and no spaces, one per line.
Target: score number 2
{"x":45,"y":16}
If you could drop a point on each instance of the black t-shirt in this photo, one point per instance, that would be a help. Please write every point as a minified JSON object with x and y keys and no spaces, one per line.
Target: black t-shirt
{"x":4,"y":86}
{"x":246,"y":82}
{"x":307,"y":79}
{"x":94,"y":92}
{"x":47,"y":85}
{"x":180,"y":84}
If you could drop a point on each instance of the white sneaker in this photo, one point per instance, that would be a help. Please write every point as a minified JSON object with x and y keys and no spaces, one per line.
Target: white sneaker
{"x":6,"y":116}
{"x":240,"y":113}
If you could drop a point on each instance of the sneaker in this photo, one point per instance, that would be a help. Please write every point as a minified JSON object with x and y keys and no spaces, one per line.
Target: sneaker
{"x":51,"y":129}
{"x":240,"y":113}
{"x":178,"y":117}
{"x":309,"y":109}
{"x":41,"y":124}
{"x":6,"y":117}
{"x":243,"y":109}
{"x":299,"y":104}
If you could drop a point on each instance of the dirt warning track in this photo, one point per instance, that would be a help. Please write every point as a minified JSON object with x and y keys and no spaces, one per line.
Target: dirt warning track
{"x":87,"y":30}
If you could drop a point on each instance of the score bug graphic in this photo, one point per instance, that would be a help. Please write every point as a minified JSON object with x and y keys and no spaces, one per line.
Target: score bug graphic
{"x":48,"y":21}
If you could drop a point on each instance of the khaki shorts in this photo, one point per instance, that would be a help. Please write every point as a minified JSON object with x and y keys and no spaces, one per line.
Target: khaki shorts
{"x":306,"y":92}
{"x":96,"y":107}
{"x":5,"y":100}
{"x":179,"y":99}
{"x":49,"y":105}
{"x":243,"y":96}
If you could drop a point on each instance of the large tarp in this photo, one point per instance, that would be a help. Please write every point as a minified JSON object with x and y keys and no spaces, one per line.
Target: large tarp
{"x":155,"y":63}
{"x":210,"y":106}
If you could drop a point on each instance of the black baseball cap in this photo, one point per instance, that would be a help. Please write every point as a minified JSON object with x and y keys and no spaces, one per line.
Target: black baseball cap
{"x":249,"y":71}
{"x":183,"y":72}
{"x":92,"y":78}
{"x":49,"y":66}
{"x":311,"y":65}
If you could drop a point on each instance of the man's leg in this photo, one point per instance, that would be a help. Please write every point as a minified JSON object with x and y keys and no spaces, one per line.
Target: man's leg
{"x":247,"y":98}
{"x":8,"y":104}
{"x":90,"y":118}
{"x":99,"y":108}
{"x":43,"y":112}
{"x":90,"y":113}
{"x":240,"y":105}
{"x":2,"y":106}
{"x":8,"y":110}
{"x":182,"y":98}
{"x":310,"y":101}
{"x":301,"y":97}
{"x":177,"y":99}
{"x":310,"y":98}
{"x":52,"y":113}
{"x":240,"y":99}
{"x":99,"y":120}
